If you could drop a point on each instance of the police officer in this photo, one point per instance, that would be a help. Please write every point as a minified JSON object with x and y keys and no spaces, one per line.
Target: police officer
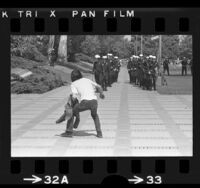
{"x":184,"y":66}
{"x":191,"y":66}
{"x":104,"y":73}
{"x":129,"y":68}
{"x":141,"y":70}
{"x":118,"y":66}
{"x":154,"y":71}
{"x":109,"y":63}
{"x":166,"y":66}
{"x":97,"y":68}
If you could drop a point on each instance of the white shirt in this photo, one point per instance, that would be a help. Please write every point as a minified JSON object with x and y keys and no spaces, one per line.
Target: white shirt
{"x":84,"y":88}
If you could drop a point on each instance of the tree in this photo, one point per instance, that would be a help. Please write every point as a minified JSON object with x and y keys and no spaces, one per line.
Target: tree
{"x":91,"y":45}
{"x":74,"y":45}
{"x":62,"y":48}
{"x":185,"y":46}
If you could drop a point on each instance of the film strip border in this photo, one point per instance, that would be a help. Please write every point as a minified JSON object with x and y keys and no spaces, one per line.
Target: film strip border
{"x":103,"y":171}
{"x":116,"y":21}
{"x":166,"y":21}
{"x":111,"y":26}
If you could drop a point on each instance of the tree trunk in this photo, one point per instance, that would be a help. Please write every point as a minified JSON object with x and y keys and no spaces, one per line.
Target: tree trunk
{"x":62,"y":48}
{"x":51,"y":41}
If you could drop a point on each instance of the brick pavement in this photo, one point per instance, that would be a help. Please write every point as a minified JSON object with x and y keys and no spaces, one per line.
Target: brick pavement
{"x":134,"y":122}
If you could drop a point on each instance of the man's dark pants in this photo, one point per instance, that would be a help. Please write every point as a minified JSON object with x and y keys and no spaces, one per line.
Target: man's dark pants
{"x":83,"y":106}
{"x":184,"y":70}
{"x":166,"y":69}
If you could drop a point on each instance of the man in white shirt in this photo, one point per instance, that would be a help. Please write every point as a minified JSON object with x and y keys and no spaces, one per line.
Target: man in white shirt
{"x":84,"y":89}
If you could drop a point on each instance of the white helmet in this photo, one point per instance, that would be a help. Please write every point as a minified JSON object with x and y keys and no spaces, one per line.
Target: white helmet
{"x":116,"y":57}
{"x":104,"y":57}
{"x":141,"y":55}
{"x":97,"y":56}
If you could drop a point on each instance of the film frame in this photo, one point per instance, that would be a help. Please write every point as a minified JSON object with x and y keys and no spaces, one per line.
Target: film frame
{"x":95,"y":170}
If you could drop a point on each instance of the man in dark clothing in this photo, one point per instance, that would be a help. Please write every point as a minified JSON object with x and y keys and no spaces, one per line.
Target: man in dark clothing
{"x":191,"y":66}
{"x":184,"y":66}
{"x":129,"y":69}
{"x":96,"y":68}
{"x":166,"y":66}
{"x":104,"y":73}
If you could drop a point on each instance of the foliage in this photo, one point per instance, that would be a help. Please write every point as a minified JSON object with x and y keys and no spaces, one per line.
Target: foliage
{"x":82,"y":57}
{"x":74,"y":45}
{"x":42,"y":79}
{"x":91,"y":45}
{"x":36,"y":47}
{"x":185,"y":48}
{"x":30,"y":47}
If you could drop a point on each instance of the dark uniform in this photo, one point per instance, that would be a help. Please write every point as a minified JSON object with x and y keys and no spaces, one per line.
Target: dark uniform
{"x":143,"y":72}
{"x":96,"y":70}
{"x":129,"y":70}
{"x":108,"y":72}
{"x":166,"y":66}
{"x":118,"y":65}
{"x":104,"y":74}
{"x":184,"y":66}
{"x":191,"y":66}
{"x":154,"y":75}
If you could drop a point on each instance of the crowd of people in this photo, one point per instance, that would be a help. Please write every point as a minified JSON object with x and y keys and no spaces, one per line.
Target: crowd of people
{"x":106,"y":69}
{"x":143,"y":71}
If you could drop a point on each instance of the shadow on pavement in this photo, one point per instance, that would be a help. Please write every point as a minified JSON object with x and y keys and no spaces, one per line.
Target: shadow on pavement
{"x":83,"y":133}
{"x":79,"y":133}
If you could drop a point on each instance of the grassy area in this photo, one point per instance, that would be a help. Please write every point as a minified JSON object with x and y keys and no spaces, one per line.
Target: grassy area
{"x":180,"y":85}
{"x":176,"y":70}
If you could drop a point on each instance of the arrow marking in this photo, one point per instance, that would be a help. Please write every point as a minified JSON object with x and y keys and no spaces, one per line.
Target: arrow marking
{"x":34,"y":179}
{"x":136,"y":180}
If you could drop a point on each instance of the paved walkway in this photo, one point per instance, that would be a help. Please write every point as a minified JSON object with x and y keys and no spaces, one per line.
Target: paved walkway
{"x":135,"y":122}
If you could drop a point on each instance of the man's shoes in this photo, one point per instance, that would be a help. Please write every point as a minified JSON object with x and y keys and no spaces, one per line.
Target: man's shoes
{"x":75,"y":126}
{"x":67,"y":134}
{"x":99,"y":135}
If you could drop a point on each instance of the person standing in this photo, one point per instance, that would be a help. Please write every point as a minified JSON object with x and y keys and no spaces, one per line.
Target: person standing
{"x":154,"y":71}
{"x":191,"y":66}
{"x":104,"y":75}
{"x":84,"y":89}
{"x":109,"y":63}
{"x":129,"y":68}
{"x":184,"y":66}
{"x":52,"y":57}
{"x":166,"y":66}
{"x":96,"y":68}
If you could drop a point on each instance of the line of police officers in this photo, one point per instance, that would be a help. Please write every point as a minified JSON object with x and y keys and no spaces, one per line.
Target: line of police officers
{"x":106,"y":69}
{"x":143,"y":71}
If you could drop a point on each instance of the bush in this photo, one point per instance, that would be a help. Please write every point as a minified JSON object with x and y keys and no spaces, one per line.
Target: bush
{"x":29,"y":47}
{"x":41,"y":81}
{"x":32,"y":53}
{"x":82,"y":57}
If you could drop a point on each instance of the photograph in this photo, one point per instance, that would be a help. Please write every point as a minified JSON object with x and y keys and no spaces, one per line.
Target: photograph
{"x":101,"y":95}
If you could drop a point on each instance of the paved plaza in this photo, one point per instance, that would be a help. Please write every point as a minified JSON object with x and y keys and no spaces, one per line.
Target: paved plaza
{"x":134,"y":122}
